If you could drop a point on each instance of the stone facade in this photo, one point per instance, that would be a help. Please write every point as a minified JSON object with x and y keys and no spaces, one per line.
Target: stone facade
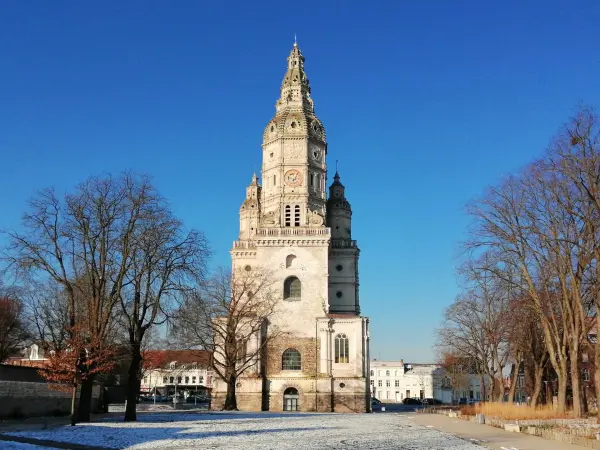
{"x":290,"y":226}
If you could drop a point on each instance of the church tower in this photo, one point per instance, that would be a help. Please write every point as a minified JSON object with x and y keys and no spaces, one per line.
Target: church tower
{"x":319,"y":359}
{"x":294,"y":149}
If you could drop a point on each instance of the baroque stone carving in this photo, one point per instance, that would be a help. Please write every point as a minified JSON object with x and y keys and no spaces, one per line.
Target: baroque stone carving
{"x":271,"y":218}
{"x":315,"y":219}
{"x":293,"y":149}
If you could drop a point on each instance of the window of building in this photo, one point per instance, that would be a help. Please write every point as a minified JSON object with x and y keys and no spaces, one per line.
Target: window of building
{"x":288,"y":215}
{"x":395,"y":373}
{"x":387,"y":394}
{"x":397,"y":383}
{"x":289,"y":261}
{"x":387,"y":373}
{"x":379,"y":373}
{"x":187,"y":380}
{"x":585,"y":374}
{"x":342,"y":354}
{"x":297,"y":215}
{"x":372,"y":382}
{"x":584,"y":357}
{"x":372,"y":373}
{"x":201,"y":380}
{"x":193,"y":380}
{"x":380,"y":383}
{"x":291,"y":360}
{"x":145,"y":380}
{"x":34,"y":352}
{"x":387,"y":383}
{"x":178,"y":380}
{"x":292,"y":289}
{"x":164,"y":380}
{"x":171,"y":380}
{"x":274,"y":177}
{"x":172,"y":365}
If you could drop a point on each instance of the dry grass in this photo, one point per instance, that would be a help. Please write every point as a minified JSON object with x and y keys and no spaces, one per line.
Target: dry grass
{"x":510,"y":411}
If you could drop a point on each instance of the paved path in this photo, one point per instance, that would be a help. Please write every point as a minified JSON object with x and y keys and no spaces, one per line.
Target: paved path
{"x":489,"y":436}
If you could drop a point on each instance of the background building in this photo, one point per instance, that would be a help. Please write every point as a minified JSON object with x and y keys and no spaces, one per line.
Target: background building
{"x":188,"y":371}
{"x":394,"y":381}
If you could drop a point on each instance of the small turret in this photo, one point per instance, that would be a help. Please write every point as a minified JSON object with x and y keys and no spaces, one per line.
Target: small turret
{"x":250,"y":209}
{"x":339,"y":211}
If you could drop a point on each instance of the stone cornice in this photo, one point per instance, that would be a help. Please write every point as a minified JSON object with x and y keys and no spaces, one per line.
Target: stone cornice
{"x":314,"y":242}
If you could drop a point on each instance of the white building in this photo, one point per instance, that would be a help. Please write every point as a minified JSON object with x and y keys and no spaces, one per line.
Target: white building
{"x":393,"y":381}
{"x":291,"y":226}
{"x":188,"y":371}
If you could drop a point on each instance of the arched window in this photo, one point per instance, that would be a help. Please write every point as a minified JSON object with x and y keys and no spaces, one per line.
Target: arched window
{"x":342,"y":355}
{"x":297,"y":216}
{"x":292,"y":289}
{"x":387,"y":373}
{"x":288,"y":215}
{"x":291,"y":360}
{"x":372,"y":373}
{"x":289,"y":260}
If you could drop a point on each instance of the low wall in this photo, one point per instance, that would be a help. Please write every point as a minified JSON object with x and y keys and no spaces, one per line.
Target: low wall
{"x":25,"y":399}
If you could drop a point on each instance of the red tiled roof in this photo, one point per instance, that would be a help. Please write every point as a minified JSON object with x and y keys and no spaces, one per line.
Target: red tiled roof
{"x":201,"y":357}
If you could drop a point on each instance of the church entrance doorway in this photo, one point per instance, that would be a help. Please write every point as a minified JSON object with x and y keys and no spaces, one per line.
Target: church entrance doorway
{"x":290,"y":399}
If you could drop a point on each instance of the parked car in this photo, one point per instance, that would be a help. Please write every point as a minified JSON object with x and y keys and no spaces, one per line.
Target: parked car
{"x":411,"y":401}
{"x":431,"y":401}
{"x":375,"y":401}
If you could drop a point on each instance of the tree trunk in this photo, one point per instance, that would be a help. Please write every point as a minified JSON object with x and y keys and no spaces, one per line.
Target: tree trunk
{"x":85,"y":400}
{"x":513,"y":382}
{"x":133,"y":383}
{"x":576,"y":383}
{"x":596,"y":363}
{"x":230,"y":400}
{"x":562,"y":392}
{"x":74,"y":404}
{"x":500,"y":384}
{"x":537,"y":386}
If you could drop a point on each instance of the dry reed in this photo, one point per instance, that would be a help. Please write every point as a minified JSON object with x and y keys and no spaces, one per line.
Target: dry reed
{"x":511,"y":411}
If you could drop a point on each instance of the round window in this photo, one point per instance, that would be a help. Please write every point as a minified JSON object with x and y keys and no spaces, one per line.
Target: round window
{"x":247,"y":268}
{"x":338,"y":294}
{"x":339,"y":267}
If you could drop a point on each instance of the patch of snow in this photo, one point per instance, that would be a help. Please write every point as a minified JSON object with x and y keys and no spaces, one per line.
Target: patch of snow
{"x":300,"y":431}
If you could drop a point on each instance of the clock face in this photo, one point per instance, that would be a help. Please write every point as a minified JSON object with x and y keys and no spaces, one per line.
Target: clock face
{"x":293,"y":178}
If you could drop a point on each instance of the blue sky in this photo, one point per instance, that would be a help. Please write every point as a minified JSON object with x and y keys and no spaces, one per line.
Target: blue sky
{"x":425,"y":103}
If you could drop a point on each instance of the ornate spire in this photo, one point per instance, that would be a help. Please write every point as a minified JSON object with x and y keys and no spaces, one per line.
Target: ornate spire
{"x":295,"y":88}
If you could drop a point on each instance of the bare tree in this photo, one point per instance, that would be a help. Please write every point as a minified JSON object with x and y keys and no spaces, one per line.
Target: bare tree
{"x":13,"y":327}
{"x":476,"y":325}
{"x":231,"y":316}
{"x":575,"y":156}
{"x":456,"y":372}
{"x":165,"y":263}
{"x":523,"y":223}
{"x":82,"y":244}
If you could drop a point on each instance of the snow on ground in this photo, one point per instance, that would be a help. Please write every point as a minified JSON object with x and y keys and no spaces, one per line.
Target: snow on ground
{"x":300,"y":431}
{"x":9,"y":445}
